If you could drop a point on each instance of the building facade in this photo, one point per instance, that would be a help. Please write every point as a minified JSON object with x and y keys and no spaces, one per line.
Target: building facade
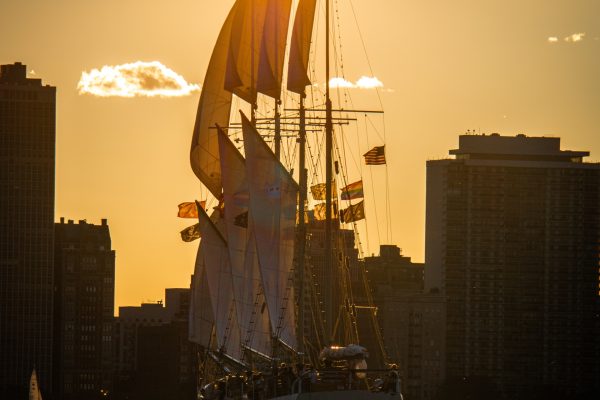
{"x":412,"y":322}
{"x":512,"y":233}
{"x":83,"y":310}
{"x":27,"y":154}
{"x":154,"y":358}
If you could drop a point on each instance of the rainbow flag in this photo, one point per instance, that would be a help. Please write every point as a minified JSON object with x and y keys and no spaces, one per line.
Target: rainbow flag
{"x":353,"y":191}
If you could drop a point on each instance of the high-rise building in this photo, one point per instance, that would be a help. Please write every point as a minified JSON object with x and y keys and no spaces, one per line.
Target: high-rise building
{"x":512,"y":236}
{"x":27,"y":142}
{"x":83,"y":310}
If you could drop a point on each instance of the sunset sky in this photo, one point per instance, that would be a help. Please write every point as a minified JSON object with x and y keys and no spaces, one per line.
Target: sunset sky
{"x":511,"y":66}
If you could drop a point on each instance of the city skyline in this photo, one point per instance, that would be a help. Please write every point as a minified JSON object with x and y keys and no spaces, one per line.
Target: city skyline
{"x":487,"y":68}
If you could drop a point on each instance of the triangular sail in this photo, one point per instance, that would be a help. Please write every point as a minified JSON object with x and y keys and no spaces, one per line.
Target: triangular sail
{"x":244,"y":49}
{"x":273,"y":196}
{"x":201,"y":315}
{"x":34,"y":388}
{"x":218,"y":273}
{"x":213,"y":108}
{"x":272,"y":49}
{"x":300,"y":46}
{"x":242,"y":248}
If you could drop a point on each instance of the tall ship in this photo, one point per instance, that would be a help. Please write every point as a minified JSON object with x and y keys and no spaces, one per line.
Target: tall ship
{"x":279,"y":303}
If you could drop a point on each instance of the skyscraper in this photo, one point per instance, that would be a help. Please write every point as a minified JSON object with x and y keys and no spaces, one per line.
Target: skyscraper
{"x":27,"y":142}
{"x":512,"y":234}
{"x":83,"y":310}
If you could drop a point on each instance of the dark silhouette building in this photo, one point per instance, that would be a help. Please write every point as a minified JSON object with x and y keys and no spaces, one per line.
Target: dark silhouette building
{"x":411,"y":321}
{"x":27,"y":143}
{"x":155,"y":359}
{"x":83,"y":310}
{"x":512,"y":233}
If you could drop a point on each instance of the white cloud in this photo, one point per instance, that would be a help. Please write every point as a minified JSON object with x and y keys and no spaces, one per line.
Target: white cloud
{"x":141,"y":78}
{"x":368,"y":82}
{"x":340,"y":83}
{"x":576,"y":37}
{"x":552,"y":39}
{"x":365,"y":82}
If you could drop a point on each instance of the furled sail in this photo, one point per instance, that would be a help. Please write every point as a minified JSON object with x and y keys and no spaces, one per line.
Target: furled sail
{"x":273,"y":197}
{"x":213,"y":108}
{"x":218,"y":273}
{"x":201,"y":315}
{"x":272,"y":49}
{"x":244,"y":48}
{"x":300,"y":46}
{"x":242,"y":248}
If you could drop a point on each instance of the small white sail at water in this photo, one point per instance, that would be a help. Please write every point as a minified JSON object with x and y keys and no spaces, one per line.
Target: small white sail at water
{"x":242,"y":248}
{"x":218,"y":273}
{"x":34,"y":388}
{"x":273,"y":195}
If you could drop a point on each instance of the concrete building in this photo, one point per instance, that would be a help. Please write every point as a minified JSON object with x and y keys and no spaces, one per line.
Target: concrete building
{"x":512,"y":233}
{"x":83,"y":310}
{"x":413,"y":327}
{"x":412,"y":322}
{"x":27,"y":143}
{"x":154,"y":356}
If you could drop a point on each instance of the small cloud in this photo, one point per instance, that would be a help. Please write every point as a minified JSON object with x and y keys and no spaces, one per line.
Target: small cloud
{"x":576,"y":37}
{"x":365,"y":82}
{"x":142,"y":79}
{"x":552,"y":39}
{"x":368,"y":82}
{"x":340,"y":83}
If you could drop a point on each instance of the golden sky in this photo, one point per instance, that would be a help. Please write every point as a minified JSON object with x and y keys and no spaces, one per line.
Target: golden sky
{"x":511,"y":66}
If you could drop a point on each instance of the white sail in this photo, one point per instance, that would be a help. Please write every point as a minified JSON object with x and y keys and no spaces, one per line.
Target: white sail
{"x":34,"y":388}
{"x":218,"y":273}
{"x":242,"y":248}
{"x":244,"y":49}
{"x":201,"y":318}
{"x":300,"y":46}
{"x":213,"y":108}
{"x":273,"y":196}
{"x":272,"y":49}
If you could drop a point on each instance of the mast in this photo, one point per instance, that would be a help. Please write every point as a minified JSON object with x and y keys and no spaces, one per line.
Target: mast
{"x":328,"y":271}
{"x":277,"y":137}
{"x":302,"y":224}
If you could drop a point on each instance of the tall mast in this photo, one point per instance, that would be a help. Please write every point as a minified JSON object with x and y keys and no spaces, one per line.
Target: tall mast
{"x":302,"y":225}
{"x":328,"y":271}
{"x":277,"y":137}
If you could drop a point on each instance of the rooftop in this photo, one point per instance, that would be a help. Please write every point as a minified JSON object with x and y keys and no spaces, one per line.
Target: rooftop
{"x":517,"y":147}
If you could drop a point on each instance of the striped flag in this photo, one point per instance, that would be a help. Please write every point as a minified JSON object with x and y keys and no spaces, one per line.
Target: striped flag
{"x":375,"y":156}
{"x":353,"y":191}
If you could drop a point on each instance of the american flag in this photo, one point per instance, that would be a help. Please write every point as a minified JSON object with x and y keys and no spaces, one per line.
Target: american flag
{"x":375,"y":156}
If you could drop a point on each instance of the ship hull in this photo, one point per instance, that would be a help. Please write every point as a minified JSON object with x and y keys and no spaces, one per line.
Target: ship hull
{"x":340,"y":395}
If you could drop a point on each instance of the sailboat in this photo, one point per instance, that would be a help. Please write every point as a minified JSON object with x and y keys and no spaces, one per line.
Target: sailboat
{"x":252,"y":287}
{"x":34,"y":388}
